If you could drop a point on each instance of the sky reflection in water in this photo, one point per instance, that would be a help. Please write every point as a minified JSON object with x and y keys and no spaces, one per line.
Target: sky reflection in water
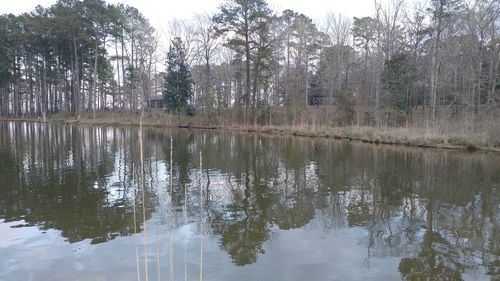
{"x":274,"y":208}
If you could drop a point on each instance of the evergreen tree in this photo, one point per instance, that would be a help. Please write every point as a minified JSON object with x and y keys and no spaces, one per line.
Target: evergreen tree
{"x":245,"y":23}
{"x":178,"y":84}
{"x":397,"y":81}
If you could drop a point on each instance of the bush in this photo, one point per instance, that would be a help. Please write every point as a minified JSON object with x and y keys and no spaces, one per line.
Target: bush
{"x":190,"y":110}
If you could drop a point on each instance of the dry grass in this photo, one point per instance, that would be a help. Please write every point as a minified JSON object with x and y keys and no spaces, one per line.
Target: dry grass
{"x":156,"y":119}
{"x":421,"y":137}
{"x":458,"y":133}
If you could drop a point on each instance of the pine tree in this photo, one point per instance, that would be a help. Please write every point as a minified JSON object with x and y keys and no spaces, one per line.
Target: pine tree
{"x":178,"y":84}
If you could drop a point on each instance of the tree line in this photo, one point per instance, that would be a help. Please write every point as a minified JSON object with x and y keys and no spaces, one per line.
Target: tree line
{"x":254,"y":65}
{"x":57,"y":59}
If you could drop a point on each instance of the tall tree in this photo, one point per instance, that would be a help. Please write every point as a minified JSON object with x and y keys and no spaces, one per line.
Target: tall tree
{"x":207,"y":45}
{"x":178,"y":85}
{"x":397,"y":79}
{"x":339,"y":30}
{"x":441,"y":15}
{"x":243,"y":20}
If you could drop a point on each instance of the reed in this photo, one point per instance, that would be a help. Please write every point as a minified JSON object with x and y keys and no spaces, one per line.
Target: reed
{"x":184,"y":210}
{"x":143,"y":203}
{"x":157,"y":254}
{"x":170,"y":215}
{"x":201,"y":216}
{"x":457,"y":132}
{"x":135,"y":225}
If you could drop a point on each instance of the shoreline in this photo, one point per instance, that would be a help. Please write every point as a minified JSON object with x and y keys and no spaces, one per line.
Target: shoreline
{"x":372,"y":135}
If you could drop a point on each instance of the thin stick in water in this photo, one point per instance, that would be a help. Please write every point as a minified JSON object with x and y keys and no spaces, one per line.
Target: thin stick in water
{"x":157,"y":253}
{"x":143,"y":204}
{"x":184,"y":209}
{"x":135,"y":225}
{"x":201,"y":218}
{"x":170,"y":217}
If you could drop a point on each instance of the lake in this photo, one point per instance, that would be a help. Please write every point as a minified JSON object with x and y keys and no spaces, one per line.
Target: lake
{"x":96,"y":203}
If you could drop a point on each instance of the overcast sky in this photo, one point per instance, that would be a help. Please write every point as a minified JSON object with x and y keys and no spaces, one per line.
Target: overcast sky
{"x":160,"y":12}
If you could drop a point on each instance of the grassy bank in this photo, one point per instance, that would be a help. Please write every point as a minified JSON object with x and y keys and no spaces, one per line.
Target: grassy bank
{"x":418,"y":137}
{"x":485,"y":138}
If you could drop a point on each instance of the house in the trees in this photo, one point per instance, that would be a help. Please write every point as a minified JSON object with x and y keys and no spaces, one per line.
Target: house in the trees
{"x":156,"y":102}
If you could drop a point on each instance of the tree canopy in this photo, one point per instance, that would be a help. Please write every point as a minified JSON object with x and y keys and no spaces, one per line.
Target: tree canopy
{"x":255,"y":65}
{"x":178,"y":84}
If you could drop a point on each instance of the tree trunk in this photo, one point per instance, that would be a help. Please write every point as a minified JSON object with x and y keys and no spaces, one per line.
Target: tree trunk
{"x":3,"y":100}
{"x":76,"y":83}
{"x":132,"y":77}
{"x":17,"y":92}
{"x":207,"y":81}
{"x":44,"y":88}
{"x":478,"y":84}
{"x":254,"y":94}
{"x":118,"y":73}
{"x":493,"y":79}
{"x":94,"y":82}
{"x":435,"y":61}
{"x":247,"y":72}
{"x":30,"y":89}
{"x":123,"y":68}
{"x":306,"y":89}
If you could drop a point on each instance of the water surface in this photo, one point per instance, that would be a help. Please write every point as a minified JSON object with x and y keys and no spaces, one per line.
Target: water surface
{"x":77,"y":203}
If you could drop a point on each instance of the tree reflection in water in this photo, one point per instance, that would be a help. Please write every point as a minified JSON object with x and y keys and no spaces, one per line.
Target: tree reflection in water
{"x":66,"y":178}
{"x":435,"y":210}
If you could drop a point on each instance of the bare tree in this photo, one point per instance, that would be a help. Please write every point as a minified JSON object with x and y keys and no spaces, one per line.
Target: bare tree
{"x":186,"y":30}
{"x":206,"y":44}
{"x":338,"y":28}
{"x":440,"y":14}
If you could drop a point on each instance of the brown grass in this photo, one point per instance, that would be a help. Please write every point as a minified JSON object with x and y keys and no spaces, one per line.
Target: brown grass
{"x":456,"y":134}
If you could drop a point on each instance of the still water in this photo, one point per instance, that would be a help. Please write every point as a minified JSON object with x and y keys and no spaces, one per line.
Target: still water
{"x":94,"y":203}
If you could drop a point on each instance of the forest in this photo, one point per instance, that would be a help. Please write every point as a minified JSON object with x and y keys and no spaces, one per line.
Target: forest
{"x":409,"y":64}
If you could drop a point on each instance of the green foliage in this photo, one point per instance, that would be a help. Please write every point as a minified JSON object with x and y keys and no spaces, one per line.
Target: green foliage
{"x":65,"y":47}
{"x":242,"y":18}
{"x":363,"y":31}
{"x":178,"y":84}
{"x":435,"y":261}
{"x":246,"y":22}
{"x":397,"y":80}
{"x":190,"y":110}
{"x":346,"y":105}
{"x":4,"y":50}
